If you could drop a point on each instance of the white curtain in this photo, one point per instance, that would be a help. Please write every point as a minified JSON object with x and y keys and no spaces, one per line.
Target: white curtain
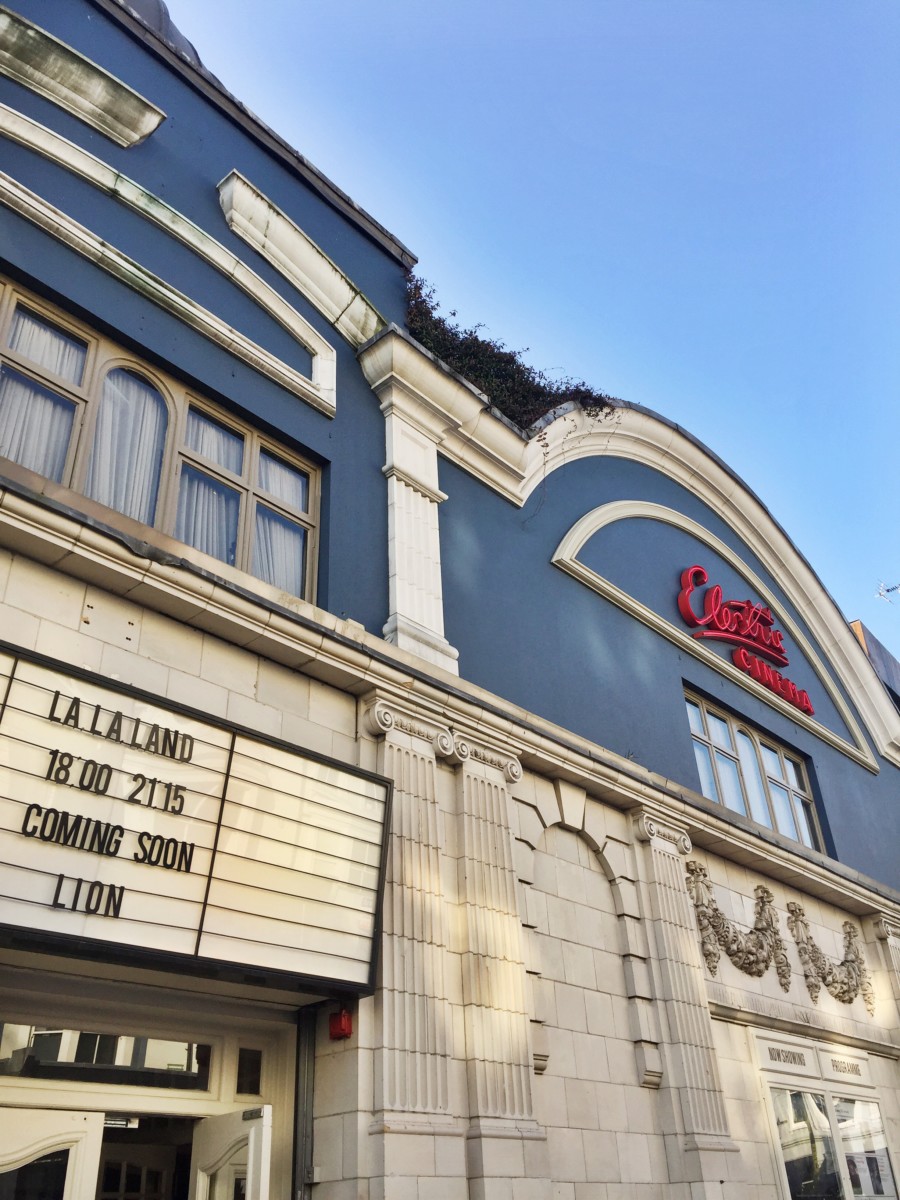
{"x":47,"y":346}
{"x":215,"y":442}
{"x":129,"y":440}
{"x":35,"y":425}
{"x":279,"y":551}
{"x":287,"y":483}
{"x":208,"y":514}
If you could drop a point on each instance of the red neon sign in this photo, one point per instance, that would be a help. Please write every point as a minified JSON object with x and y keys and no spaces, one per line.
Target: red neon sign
{"x":744,"y":625}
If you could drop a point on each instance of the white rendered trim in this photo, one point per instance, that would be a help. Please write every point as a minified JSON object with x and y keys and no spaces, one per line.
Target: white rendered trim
{"x":642,"y":437}
{"x":93,"y":170}
{"x":446,"y":408}
{"x":566,"y":557}
{"x":41,"y":62}
{"x":37,"y":210}
{"x":466,"y":431}
{"x":262,"y":225}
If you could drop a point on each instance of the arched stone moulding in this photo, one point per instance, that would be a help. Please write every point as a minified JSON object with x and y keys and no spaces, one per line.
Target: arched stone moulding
{"x":319,"y":390}
{"x":607,"y":834}
{"x":566,"y":558}
{"x":641,"y":436}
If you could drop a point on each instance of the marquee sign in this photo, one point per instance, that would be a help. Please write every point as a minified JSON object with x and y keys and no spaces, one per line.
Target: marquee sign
{"x":127,"y":822}
{"x":748,"y":626}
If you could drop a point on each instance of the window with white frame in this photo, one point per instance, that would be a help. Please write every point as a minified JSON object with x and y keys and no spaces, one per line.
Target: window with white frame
{"x":832,"y":1145}
{"x":751,"y":774}
{"x":79,"y":411}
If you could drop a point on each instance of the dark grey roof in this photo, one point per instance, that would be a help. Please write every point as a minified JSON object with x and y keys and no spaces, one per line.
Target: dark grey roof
{"x":155,"y":15}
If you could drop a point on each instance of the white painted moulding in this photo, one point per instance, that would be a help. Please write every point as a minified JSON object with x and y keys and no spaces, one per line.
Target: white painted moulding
{"x":41,"y":62}
{"x":446,"y":408}
{"x":19,"y":128}
{"x":35,"y":209}
{"x":411,"y":381}
{"x":641,"y":436}
{"x":566,"y":558}
{"x":256,"y":219}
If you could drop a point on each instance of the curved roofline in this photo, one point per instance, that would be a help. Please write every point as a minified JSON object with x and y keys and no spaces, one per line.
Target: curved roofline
{"x":203,"y":81}
{"x":636,"y":433}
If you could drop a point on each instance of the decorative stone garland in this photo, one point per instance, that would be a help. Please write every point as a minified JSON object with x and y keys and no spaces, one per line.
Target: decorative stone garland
{"x":844,"y":980}
{"x":752,"y":951}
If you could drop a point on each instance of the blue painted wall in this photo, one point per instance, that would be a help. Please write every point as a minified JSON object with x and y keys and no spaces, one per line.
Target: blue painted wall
{"x":194,"y":148}
{"x":539,"y":637}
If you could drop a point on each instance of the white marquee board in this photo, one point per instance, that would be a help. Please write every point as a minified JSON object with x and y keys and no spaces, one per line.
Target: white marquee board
{"x":127,"y":822}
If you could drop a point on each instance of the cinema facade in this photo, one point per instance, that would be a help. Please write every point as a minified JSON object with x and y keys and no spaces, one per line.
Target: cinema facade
{"x":392,"y":803}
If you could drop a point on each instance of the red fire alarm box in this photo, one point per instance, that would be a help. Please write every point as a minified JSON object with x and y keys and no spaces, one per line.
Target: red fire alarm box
{"x":340,"y":1025}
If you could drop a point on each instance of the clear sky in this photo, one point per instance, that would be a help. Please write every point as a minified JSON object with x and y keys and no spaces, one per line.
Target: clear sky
{"x":691,"y":204}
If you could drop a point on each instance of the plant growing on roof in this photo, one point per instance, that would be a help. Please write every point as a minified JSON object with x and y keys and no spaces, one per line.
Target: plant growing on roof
{"x":520,"y":392}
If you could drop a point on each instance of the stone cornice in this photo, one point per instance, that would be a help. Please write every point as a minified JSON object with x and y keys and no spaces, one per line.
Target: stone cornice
{"x":446,"y":408}
{"x":343,"y":654}
{"x":293,"y":253}
{"x":85,"y":242}
{"x":319,"y":390}
{"x":41,"y":62}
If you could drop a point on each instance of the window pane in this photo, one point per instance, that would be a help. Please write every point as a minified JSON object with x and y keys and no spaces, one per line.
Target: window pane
{"x":129,"y":440}
{"x":43,"y":1178}
{"x":730,"y":782}
{"x":864,"y":1147}
{"x":806,"y":1145}
{"x":48,"y":346}
{"x":695,"y":717}
{"x":772,"y":762}
{"x":759,"y":808}
{"x":208,"y":514}
{"x":719,"y":731}
{"x":807,"y":825}
{"x":249,"y":1071}
{"x":795,"y":775}
{"x":91,"y":1058}
{"x":707,"y":778}
{"x":784,"y":814}
{"x":35,"y":425}
{"x":214,"y":441}
{"x":284,"y":482}
{"x":279,"y":551}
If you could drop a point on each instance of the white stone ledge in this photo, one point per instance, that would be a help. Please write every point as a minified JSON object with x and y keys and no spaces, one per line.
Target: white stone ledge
{"x":41,"y":62}
{"x":253,"y":217}
{"x":447,"y":409}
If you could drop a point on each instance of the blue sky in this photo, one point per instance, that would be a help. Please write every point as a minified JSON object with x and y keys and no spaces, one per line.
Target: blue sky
{"x":691,"y":204}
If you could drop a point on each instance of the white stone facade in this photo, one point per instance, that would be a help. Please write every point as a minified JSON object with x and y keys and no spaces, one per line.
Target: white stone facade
{"x":545,"y":1024}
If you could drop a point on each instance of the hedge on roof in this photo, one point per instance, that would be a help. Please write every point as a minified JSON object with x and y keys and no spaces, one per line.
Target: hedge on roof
{"x":520,"y":392}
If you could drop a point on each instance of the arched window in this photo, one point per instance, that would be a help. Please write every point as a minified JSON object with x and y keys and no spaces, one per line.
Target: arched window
{"x":74,"y":410}
{"x":125,"y":466}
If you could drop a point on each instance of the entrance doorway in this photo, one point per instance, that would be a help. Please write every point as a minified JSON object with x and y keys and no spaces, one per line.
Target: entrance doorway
{"x":57,"y":1155}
